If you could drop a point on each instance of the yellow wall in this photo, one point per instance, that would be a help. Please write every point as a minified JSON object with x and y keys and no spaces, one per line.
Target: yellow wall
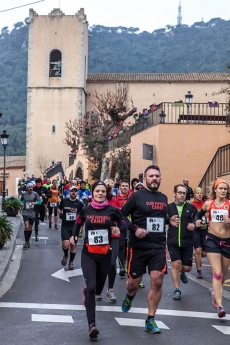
{"x":182,"y":150}
{"x":53,"y":101}
{"x":144,"y":94}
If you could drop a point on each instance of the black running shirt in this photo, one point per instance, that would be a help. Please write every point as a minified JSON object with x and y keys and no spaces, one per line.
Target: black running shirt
{"x":70,"y":210}
{"x":149,"y":211}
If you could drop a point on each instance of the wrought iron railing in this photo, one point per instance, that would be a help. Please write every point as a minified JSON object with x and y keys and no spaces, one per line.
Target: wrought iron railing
{"x":219,"y":165}
{"x":168,"y":112}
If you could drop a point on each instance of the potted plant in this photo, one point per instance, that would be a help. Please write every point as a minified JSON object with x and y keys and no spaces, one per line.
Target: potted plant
{"x":6,"y":230}
{"x":11,"y":206}
{"x":178,"y":103}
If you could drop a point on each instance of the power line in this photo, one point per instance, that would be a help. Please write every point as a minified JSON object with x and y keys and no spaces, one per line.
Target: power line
{"x":13,"y":8}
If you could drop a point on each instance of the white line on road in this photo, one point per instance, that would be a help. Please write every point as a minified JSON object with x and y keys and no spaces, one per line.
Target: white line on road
{"x":137,"y":323}
{"x":52,"y":318}
{"x":41,"y":238}
{"x":223,"y":329}
{"x":115,"y":309}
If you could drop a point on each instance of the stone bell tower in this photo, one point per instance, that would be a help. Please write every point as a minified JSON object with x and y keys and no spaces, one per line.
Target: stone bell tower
{"x":57,"y":72}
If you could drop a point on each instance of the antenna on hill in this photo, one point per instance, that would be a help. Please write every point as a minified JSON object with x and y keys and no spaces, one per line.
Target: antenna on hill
{"x":179,"y":17}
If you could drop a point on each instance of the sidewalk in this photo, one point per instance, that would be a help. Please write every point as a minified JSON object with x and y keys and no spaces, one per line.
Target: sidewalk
{"x":7,"y":251}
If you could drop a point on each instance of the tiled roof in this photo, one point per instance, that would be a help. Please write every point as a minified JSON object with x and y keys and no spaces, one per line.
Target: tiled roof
{"x":14,"y":161}
{"x":157,"y":77}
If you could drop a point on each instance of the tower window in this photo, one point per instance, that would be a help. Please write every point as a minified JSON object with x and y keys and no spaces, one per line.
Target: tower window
{"x":55,"y":63}
{"x":53,"y":129}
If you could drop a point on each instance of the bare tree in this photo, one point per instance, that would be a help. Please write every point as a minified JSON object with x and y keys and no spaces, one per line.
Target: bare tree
{"x":111,"y":110}
{"x":42,"y":162}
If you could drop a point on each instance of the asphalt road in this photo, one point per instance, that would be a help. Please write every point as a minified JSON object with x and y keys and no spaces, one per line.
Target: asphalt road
{"x":42,"y":309}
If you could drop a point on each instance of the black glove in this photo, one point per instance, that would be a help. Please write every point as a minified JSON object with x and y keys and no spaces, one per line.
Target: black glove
{"x":60,"y":215}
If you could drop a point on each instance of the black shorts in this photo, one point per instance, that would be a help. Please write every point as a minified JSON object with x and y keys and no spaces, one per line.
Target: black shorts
{"x":199,"y":238}
{"x":184,"y":254}
{"x":214,"y":244}
{"x":66,"y":232}
{"x":27,"y":219}
{"x":51,"y":210}
{"x":139,"y":259}
{"x":45,"y":201}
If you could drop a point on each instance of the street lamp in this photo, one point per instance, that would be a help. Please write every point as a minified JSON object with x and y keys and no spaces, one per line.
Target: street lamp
{"x":4,"y":141}
{"x":188,"y":101}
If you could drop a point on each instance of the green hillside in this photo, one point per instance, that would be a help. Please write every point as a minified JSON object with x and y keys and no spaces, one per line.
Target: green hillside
{"x":203,"y":47}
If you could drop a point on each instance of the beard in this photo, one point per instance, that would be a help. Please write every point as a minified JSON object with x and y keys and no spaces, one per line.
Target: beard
{"x":153,"y":187}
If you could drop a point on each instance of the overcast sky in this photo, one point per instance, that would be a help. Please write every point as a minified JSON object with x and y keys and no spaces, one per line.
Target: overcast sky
{"x":146,"y":14}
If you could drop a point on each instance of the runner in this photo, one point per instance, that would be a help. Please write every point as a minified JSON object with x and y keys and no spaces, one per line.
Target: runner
{"x":53,"y":203}
{"x":99,"y":220}
{"x":28,"y":200}
{"x":47,"y":185}
{"x":200,"y":233}
{"x":68,"y":210}
{"x":134,"y":182}
{"x":180,"y":239}
{"x":84,"y":194}
{"x":147,"y":242}
{"x":122,"y":197}
{"x":114,"y":246}
{"x":217,"y":242}
{"x":40,"y":209}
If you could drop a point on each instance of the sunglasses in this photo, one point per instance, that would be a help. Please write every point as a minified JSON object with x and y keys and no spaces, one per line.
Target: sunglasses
{"x":139,"y":188}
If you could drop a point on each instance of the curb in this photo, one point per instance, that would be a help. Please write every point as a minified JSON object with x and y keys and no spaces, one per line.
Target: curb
{"x":7,"y":251}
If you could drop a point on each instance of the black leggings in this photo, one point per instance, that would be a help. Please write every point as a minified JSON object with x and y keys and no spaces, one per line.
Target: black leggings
{"x":95,"y":268}
{"x":39,"y":215}
{"x":113,"y":269}
{"x":122,"y":249}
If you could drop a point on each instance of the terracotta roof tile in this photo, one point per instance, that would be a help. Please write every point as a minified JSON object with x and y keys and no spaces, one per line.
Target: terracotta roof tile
{"x":14,"y":161}
{"x":157,"y":77}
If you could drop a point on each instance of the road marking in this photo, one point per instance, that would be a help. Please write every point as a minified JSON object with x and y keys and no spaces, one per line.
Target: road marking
{"x":52,"y":318}
{"x":65,"y":275}
{"x":115,"y":309}
{"x":41,"y":238}
{"x":137,"y":323}
{"x":223,"y":329}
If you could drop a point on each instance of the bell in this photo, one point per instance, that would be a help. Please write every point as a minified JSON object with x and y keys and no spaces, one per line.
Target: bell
{"x":55,"y":68}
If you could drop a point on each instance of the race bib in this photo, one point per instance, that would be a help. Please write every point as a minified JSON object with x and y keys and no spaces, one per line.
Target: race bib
{"x":70,"y":216}
{"x":97,"y":237}
{"x":29,"y":205}
{"x":53,"y":204}
{"x":155,"y":224}
{"x":217,"y":215}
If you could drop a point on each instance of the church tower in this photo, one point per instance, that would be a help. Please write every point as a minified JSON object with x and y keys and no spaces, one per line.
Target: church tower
{"x":56,"y":86}
{"x":179,"y":17}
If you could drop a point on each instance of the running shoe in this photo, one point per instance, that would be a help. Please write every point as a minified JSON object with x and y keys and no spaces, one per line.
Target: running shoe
{"x":50,"y":225}
{"x":36,"y":238}
{"x":213,"y":298}
{"x":183,"y":278}
{"x":64,"y":260}
{"x":122,"y":273}
{"x":151,"y":326}
{"x":221,"y":312}
{"x":111,"y":296}
{"x":28,"y":244}
{"x":25,"y":246}
{"x":98,"y":297}
{"x":177,"y":294}
{"x":93,"y":331}
{"x":141,"y":285}
{"x":199,"y":275}
{"x":83,"y":289}
{"x":126,"y":303}
{"x":55,"y":226}
{"x":71,"y":266}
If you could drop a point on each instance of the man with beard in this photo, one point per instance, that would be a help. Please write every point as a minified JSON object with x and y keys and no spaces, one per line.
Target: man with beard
{"x":147,"y":242}
{"x":68,"y":210}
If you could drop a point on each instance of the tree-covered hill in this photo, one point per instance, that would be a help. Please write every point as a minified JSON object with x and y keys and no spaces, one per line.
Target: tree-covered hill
{"x":201,"y":47}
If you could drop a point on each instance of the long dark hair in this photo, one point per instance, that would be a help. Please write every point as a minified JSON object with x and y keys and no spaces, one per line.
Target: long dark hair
{"x":109,"y":192}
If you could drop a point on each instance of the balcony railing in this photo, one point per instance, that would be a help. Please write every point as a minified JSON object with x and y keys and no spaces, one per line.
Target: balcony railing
{"x":219,"y":165}
{"x":180,"y":113}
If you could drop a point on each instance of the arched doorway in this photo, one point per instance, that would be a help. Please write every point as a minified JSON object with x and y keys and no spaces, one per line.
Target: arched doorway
{"x":79,"y":171}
